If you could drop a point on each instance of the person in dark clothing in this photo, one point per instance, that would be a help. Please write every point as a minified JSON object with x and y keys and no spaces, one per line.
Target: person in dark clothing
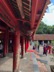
{"x":38,"y":47}
{"x":33,"y":47}
{"x":45,"y":50}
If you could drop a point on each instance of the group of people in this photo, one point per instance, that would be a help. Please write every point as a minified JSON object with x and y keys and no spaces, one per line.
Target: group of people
{"x":47,"y":49}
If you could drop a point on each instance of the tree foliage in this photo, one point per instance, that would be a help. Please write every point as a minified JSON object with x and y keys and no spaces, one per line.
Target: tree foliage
{"x":44,"y":29}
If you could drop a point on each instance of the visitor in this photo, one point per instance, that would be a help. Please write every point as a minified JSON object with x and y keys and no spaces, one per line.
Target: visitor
{"x":38,"y":48}
{"x":45,"y":49}
{"x":33,"y":47}
{"x":49,"y":49}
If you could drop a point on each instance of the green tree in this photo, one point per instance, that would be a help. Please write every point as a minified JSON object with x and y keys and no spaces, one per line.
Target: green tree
{"x":40,"y":29}
{"x":49,"y":29}
{"x":53,"y":29}
{"x":44,"y":29}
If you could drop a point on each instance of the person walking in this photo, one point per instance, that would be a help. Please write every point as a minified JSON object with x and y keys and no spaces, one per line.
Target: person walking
{"x":49,"y":49}
{"x":45,"y":49}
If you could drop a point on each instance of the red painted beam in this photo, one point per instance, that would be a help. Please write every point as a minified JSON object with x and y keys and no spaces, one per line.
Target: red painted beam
{"x":34,"y":11}
{"x":0,"y":0}
{"x":6,"y":23}
{"x":26,"y":45}
{"x":8,"y":9}
{"x":6,"y":20}
{"x":23,"y":20}
{"x":9,"y":12}
{"x":2,"y":28}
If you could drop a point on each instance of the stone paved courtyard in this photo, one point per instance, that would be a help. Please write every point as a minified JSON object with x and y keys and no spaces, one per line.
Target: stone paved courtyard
{"x":26,"y":64}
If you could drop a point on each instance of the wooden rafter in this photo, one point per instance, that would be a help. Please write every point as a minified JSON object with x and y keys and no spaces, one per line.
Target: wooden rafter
{"x":7,"y":16}
{"x":47,"y":2}
{"x":8,"y":9}
{"x":15,"y":4}
{"x":19,"y":4}
{"x":23,"y":20}
{"x":26,"y":3}
{"x":26,"y":8}
{"x":26,"y":12}
{"x":14,"y":1}
{"x":16,"y":7}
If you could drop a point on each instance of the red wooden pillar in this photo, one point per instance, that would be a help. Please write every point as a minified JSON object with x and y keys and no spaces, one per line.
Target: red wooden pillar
{"x":6,"y":37}
{"x":16,"y":47}
{"x":7,"y":40}
{"x":22,"y":47}
{"x":26,"y":45}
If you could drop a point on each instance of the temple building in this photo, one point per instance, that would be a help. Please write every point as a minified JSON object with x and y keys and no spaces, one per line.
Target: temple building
{"x":19,"y":19}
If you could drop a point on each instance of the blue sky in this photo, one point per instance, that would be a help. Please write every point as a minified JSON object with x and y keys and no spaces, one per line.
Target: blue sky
{"x":48,"y":18}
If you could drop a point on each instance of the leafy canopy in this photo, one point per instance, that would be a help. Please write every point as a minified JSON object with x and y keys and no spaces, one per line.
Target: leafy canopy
{"x":45,"y":29}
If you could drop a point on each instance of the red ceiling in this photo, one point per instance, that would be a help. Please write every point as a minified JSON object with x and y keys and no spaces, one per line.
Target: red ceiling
{"x":33,"y":17}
